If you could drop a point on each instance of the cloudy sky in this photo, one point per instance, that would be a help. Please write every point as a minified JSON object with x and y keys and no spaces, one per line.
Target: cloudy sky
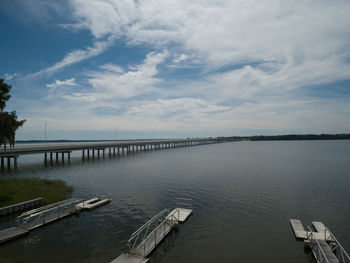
{"x":174,"y":68}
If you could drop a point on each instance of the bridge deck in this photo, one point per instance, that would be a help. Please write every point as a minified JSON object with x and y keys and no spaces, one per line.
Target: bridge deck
{"x":66,"y":147}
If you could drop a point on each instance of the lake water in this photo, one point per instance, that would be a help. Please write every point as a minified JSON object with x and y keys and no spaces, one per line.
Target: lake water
{"x":243,"y":195}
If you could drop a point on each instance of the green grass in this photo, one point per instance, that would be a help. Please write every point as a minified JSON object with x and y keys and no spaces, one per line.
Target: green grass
{"x":16,"y":190}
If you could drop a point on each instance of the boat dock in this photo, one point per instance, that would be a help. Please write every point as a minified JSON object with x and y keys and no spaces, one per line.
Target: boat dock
{"x":143,"y":241}
{"x":93,"y":203}
{"x":36,"y":218}
{"x":323,"y":244}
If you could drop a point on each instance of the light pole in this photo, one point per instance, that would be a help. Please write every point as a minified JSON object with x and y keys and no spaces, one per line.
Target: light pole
{"x":45,"y":131}
{"x":115,"y":134}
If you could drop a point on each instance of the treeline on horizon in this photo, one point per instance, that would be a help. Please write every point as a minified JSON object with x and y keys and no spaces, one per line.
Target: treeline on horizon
{"x":290,"y":137}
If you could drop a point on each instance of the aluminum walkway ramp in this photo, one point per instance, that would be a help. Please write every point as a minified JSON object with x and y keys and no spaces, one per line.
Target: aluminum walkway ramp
{"x":144,"y":240}
{"x":36,"y":218}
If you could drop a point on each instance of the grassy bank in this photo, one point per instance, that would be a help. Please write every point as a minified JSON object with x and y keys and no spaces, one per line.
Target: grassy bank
{"x":16,"y":190}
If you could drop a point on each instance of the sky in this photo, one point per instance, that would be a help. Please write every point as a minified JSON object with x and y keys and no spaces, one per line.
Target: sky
{"x":94,"y":69}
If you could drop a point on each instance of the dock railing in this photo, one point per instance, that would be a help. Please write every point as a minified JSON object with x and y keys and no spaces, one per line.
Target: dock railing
{"x":149,"y":230}
{"x":33,"y":220}
{"x":337,"y":248}
{"x":316,"y":247}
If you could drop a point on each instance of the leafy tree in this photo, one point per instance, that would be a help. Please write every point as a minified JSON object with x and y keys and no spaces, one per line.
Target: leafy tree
{"x":8,"y":121}
{"x":4,"y":94}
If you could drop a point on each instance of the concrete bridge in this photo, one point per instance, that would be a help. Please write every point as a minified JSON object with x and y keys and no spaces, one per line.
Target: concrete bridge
{"x":92,"y":149}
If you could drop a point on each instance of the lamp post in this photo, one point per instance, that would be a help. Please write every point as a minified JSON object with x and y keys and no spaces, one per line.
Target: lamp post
{"x":115,"y":134}
{"x":45,"y":131}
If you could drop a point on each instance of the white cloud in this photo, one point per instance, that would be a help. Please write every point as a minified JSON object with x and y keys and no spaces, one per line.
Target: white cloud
{"x":225,"y":32}
{"x":78,"y":56}
{"x":58,"y":83}
{"x":10,"y":76}
{"x":180,"y":58}
{"x":58,"y":88}
{"x":117,"y":82}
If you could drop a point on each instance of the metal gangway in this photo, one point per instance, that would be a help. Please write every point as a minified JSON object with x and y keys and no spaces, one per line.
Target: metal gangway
{"x":328,"y":250}
{"x":148,"y":236}
{"x":41,"y":216}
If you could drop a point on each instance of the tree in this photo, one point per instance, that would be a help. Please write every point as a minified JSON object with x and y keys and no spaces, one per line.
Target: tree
{"x":8,"y":121}
{"x":4,"y":94}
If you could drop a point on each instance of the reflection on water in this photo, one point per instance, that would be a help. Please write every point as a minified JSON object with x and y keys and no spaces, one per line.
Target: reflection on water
{"x":243,"y":194}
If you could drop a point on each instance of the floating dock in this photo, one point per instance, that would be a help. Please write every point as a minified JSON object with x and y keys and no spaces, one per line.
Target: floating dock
{"x":300,"y":232}
{"x":143,"y":241}
{"x":323,"y":244}
{"x":93,"y":203}
{"x":36,"y":218}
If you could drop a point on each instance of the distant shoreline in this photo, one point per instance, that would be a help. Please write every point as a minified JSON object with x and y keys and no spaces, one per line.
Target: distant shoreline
{"x":287,"y":137}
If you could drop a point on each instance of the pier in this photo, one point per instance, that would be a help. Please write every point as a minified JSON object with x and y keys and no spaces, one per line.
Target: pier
{"x":323,"y":244}
{"x":143,"y":241}
{"x":62,"y":151}
{"x":36,"y":218}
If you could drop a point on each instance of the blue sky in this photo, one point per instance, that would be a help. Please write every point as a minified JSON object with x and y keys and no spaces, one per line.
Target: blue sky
{"x":157,"y":69}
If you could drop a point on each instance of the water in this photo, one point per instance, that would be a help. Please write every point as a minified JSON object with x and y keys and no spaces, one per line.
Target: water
{"x":243,"y":195}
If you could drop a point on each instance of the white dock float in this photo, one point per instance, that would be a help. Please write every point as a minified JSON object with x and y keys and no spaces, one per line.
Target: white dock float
{"x":298,"y":228}
{"x":301,"y":233}
{"x":180,"y":214}
{"x":93,"y":203}
{"x":140,"y":249}
{"x":321,"y":228}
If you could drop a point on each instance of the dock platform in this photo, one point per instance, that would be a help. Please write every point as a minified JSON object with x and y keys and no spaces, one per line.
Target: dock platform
{"x":11,"y":233}
{"x":36,"y":218}
{"x":93,"y":203}
{"x":180,"y":214}
{"x":302,"y":234}
{"x":323,"y":244}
